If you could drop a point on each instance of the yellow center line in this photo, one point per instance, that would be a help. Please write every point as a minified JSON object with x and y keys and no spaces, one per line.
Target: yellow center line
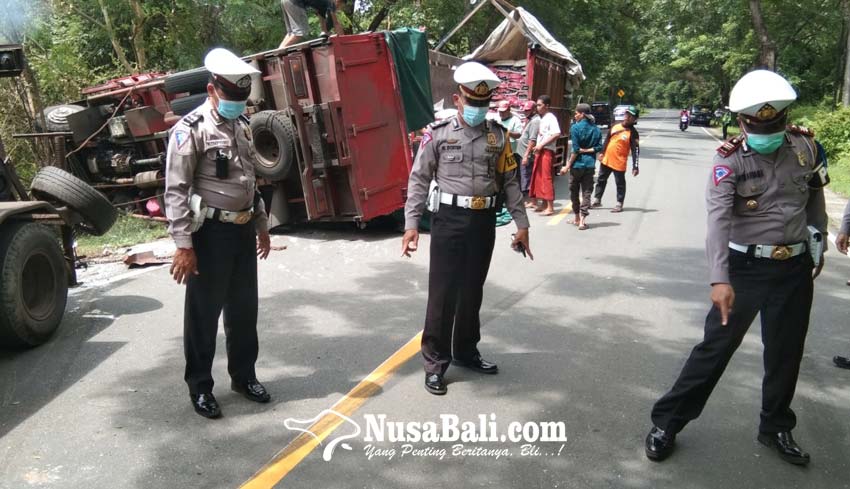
{"x":560,"y":216}
{"x":288,"y":458}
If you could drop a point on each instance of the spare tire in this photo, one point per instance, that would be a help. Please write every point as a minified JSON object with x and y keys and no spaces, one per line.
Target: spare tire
{"x":56,"y":117}
{"x":33,"y":284}
{"x":182,"y":106}
{"x":191,"y":81}
{"x":274,"y":137}
{"x":55,"y":185}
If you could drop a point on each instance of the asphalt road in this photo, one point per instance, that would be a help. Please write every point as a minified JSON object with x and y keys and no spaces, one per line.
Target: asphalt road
{"x":588,"y":335}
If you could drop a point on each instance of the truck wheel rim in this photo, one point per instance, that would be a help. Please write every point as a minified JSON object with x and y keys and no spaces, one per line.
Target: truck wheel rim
{"x":267,"y":148}
{"x":38,"y":286}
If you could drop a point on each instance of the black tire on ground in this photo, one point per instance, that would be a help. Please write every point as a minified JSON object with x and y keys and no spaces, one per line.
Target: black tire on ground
{"x":274,"y":137}
{"x":55,"y":185}
{"x":56,"y":117}
{"x":184,"y":105}
{"x":191,"y":81}
{"x":33,"y":284}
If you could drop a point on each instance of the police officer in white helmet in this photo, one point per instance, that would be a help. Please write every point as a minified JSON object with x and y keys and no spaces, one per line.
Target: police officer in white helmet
{"x":219,"y":224}
{"x":471,"y":160}
{"x":767,"y":225}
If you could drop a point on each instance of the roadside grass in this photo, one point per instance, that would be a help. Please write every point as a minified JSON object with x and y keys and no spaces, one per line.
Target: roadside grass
{"x":839,"y":175}
{"x":126,"y":232}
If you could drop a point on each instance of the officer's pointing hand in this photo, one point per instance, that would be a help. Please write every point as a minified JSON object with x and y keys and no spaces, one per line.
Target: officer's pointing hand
{"x":521,"y":236}
{"x":184,"y":264}
{"x":264,"y":244}
{"x":723,"y":296}
{"x":841,"y":243}
{"x":410,"y":242}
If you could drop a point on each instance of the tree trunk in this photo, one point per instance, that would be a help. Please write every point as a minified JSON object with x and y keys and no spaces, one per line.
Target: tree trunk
{"x":767,"y":48}
{"x":116,"y":43}
{"x":30,"y":96}
{"x":139,"y":44}
{"x":845,"y":85}
{"x":348,"y":9}
{"x":381,"y":15}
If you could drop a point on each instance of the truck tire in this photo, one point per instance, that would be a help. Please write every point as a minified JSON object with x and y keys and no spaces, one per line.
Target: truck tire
{"x":274,"y":137}
{"x":55,"y":185}
{"x":33,"y":284}
{"x":182,"y":106}
{"x":56,"y":117}
{"x":191,"y":81}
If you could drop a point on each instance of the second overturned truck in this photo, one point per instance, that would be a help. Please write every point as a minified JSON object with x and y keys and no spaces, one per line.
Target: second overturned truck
{"x":327,"y":119}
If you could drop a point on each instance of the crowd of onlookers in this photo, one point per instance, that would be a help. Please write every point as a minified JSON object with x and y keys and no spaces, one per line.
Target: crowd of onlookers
{"x":533,"y":141}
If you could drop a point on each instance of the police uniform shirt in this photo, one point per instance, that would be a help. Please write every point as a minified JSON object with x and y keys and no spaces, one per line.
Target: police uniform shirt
{"x":464,"y":161}
{"x":762,"y":199}
{"x":191,"y":169}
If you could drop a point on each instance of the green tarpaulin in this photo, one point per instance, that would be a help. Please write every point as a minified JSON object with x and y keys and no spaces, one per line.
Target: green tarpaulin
{"x":410,"y":55}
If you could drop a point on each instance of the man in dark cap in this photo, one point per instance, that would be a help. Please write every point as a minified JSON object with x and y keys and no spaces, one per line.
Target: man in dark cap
{"x":586,"y":141}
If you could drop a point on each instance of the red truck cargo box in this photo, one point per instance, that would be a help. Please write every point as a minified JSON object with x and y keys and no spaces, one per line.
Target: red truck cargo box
{"x":353,"y":153}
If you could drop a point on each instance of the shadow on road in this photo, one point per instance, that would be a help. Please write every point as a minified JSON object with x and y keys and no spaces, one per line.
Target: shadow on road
{"x":33,"y":378}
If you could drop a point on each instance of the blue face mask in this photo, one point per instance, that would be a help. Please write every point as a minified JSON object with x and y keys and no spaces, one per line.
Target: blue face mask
{"x":765,"y":143}
{"x":474,"y":115}
{"x":230,"y":109}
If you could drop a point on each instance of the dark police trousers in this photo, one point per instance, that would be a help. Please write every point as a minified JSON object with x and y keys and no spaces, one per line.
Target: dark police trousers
{"x":782,"y":292}
{"x":227,"y":282}
{"x":602,"y":181}
{"x":462,"y":243}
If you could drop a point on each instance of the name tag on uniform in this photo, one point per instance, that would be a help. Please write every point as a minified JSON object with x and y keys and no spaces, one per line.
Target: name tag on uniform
{"x":217,"y":143}
{"x":493,"y":149}
{"x":450,"y":147}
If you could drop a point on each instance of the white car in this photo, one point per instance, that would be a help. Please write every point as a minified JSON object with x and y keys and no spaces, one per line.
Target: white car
{"x":620,"y":112}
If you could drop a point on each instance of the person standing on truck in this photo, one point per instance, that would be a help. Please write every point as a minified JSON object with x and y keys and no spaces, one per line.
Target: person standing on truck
{"x":623,"y":138}
{"x":471,"y":160}
{"x":542,"y":189}
{"x":295,"y":18}
{"x":525,"y":147}
{"x":219,"y":224}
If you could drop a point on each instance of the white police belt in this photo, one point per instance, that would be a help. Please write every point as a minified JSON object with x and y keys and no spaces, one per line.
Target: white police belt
{"x":774,"y":252}
{"x":468,"y":202}
{"x":234,"y":217}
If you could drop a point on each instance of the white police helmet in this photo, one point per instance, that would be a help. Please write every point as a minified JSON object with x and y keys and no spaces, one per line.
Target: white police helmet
{"x":476,"y":81}
{"x":230,"y":73}
{"x":761,"y":94}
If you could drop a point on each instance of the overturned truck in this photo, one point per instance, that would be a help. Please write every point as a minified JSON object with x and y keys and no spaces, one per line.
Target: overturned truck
{"x":525,"y":56}
{"x":326,"y":116}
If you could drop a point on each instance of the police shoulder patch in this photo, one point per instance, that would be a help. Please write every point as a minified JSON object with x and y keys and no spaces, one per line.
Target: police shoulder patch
{"x":720,"y":173}
{"x":180,"y":137}
{"x":803,"y":131}
{"x":729,"y":147}
{"x":426,"y":138}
